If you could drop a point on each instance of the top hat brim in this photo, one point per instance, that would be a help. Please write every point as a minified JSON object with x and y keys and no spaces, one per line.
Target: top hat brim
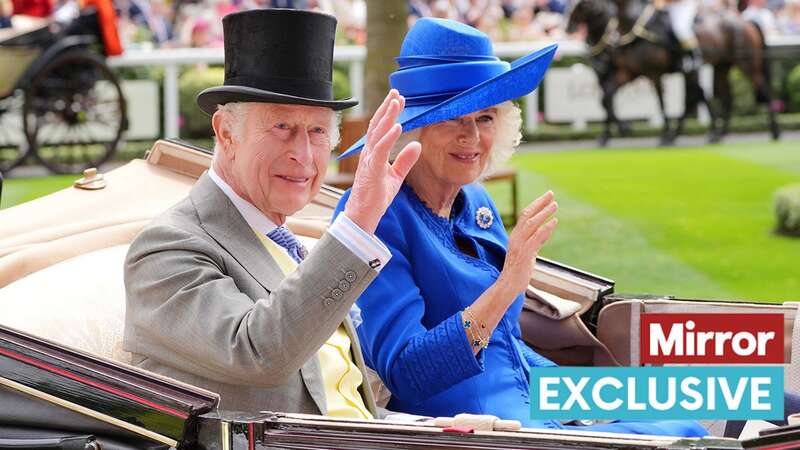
{"x":209,"y":98}
{"x":523,"y":77}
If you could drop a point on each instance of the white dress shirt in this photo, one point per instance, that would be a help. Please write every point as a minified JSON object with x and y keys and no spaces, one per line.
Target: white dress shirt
{"x":364,"y":245}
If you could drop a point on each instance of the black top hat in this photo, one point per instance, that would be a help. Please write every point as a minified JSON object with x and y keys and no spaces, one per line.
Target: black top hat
{"x":277,"y":56}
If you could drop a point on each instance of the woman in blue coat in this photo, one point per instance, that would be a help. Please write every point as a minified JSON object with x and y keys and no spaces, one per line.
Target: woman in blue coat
{"x":440,"y":322}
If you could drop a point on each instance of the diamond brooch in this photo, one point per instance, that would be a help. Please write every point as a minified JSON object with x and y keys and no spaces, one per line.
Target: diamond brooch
{"x":484,"y":217}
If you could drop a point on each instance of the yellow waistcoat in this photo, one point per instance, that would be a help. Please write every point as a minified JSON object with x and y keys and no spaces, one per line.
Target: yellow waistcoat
{"x":340,"y":375}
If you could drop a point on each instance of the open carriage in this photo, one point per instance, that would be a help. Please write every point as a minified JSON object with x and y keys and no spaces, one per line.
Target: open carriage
{"x":59,"y":101}
{"x":65,"y":381}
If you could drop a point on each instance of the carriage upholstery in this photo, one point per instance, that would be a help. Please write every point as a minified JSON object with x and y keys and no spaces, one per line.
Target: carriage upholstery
{"x":79,"y":303}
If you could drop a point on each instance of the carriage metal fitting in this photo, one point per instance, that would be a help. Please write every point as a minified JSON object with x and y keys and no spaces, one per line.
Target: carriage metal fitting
{"x":91,"y":180}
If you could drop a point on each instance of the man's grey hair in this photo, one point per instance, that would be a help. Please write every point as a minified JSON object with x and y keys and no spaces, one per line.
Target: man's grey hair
{"x":506,"y":138}
{"x":234,"y":115}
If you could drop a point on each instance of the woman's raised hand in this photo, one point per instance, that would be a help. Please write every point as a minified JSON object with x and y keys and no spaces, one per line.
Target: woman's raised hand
{"x":532,"y":231}
{"x":376,"y":181}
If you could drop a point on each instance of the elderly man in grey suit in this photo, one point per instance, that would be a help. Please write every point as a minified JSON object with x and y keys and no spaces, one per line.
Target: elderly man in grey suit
{"x":219,"y":293}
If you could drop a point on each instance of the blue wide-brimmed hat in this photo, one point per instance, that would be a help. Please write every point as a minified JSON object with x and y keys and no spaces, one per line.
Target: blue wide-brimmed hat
{"x":448,"y":69}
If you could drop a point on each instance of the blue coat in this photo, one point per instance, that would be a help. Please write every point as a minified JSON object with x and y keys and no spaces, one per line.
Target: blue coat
{"x":412,"y":332}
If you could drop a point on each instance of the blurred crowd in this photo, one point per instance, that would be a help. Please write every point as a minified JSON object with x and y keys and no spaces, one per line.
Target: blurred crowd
{"x":196,"y":23}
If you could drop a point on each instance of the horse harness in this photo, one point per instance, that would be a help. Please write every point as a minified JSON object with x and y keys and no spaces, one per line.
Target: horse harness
{"x":640,"y":28}
{"x":611,"y":37}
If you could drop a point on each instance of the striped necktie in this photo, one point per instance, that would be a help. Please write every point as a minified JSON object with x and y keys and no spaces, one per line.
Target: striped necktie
{"x":283,"y":237}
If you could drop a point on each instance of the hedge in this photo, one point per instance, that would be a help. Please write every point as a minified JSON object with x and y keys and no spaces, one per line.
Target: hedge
{"x":793,"y":88}
{"x":787,"y":209}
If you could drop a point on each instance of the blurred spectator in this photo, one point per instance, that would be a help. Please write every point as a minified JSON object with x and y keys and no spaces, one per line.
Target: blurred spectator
{"x":554,"y":6}
{"x":444,"y":9}
{"x":299,"y":4}
{"x":159,"y":20}
{"x":201,"y":34}
{"x":473,"y":12}
{"x":225,"y":7}
{"x":198,"y":22}
{"x":509,"y":6}
{"x":523,"y":27}
{"x":789,"y":18}
{"x":758,"y":12}
{"x":352,"y":17}
{"x":417,"y":9}
{"x":489,"y":21}
{"x":5,"y":13}
{"x":254,"y":4}
{"x":66,"y":10}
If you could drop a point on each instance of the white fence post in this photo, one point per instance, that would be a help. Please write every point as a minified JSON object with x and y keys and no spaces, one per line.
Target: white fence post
{"x":356,"y":75}
{"x":172,"y":129}
{"x":532,"y":111}
{"x":706,"y":80}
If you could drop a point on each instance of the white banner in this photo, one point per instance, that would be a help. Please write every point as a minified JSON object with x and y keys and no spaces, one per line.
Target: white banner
{"x":572,"y":94}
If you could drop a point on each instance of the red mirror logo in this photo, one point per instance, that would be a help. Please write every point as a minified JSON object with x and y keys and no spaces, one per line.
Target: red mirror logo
{"x":712,"y":338}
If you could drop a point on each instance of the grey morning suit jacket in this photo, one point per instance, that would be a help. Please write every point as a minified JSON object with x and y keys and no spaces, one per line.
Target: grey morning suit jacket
{"x":207,"y":305}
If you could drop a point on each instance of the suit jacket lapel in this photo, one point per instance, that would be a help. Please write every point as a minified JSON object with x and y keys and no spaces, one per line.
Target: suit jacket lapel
{"x":312,"y":376}
{"x":223,"y":222}
{"x":358,"y":358}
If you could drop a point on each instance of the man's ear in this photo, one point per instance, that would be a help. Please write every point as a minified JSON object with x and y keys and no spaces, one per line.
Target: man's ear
{"x":223,"y":132}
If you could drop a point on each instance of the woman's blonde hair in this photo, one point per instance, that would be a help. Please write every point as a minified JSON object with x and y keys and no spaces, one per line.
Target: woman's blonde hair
{"x":506,"y":138}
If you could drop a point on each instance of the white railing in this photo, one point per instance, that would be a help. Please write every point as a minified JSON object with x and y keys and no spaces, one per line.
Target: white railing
{"x":353,"y":56}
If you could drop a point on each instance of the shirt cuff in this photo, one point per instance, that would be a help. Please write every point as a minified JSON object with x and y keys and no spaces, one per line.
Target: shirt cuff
{"x":364,"y":245}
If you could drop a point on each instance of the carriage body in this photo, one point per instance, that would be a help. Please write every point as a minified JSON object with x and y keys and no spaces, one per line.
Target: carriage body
{"x":59,"y":101}
{"x":61,"y":322}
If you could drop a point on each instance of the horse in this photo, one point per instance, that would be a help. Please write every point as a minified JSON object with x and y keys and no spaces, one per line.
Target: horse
{"x":726,"y":40}
{"x":617,"y":64}
{"x":640,"y":43}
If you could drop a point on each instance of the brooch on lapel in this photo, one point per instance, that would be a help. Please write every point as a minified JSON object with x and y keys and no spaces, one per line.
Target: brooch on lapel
{"x":484,"y":217}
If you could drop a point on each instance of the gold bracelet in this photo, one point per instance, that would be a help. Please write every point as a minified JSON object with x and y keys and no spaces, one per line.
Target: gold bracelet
{"x":481,"y":341}
{"x":469,"y":327}
{"x":476,"y":321}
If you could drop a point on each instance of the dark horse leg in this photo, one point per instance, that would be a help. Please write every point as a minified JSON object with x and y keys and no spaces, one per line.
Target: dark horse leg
{"x":758,"y":68}
{"x":694,"y":95}
{"x":763,"y":85}
{"x":722,"y":91}
{"x":665,"y":132}
{"x":610,"y":87}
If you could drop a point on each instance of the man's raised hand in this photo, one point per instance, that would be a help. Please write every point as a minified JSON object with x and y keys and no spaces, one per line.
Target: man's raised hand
{"x":377,"y":181}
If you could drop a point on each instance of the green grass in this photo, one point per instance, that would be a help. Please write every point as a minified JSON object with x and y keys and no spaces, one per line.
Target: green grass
{"x":692,"y":222}
{"x":20,"y":190}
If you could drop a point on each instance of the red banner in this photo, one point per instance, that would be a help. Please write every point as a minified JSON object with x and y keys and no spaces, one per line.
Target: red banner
{"x":711,"y":338}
